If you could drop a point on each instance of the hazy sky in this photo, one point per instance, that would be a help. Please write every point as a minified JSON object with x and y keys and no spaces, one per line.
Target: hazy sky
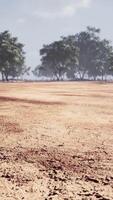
{"x":38,"y":22}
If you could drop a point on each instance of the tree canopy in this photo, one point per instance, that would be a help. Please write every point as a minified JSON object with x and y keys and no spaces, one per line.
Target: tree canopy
{"x":57,"y":58}
{"x":12,"y":56}
{"x":77,"y":56}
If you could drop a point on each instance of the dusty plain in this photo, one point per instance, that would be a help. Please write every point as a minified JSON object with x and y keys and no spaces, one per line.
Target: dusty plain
{"x":56,"y":141}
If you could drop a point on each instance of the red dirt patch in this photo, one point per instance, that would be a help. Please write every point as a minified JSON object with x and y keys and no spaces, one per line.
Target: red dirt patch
{"x":9,"y":127}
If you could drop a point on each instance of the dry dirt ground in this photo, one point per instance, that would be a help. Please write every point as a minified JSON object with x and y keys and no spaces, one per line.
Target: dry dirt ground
{"x":56,"y":141}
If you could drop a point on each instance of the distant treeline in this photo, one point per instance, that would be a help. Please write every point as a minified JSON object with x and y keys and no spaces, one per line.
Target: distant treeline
{"x":76,"y":57}
{"x":81,"y":56}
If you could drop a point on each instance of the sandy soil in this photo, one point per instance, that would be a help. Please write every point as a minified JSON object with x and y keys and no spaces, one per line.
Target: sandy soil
{"x":56,"y":141}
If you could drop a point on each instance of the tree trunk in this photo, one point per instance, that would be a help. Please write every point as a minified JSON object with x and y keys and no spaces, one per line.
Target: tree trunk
{"x":102,"y":76}
{"x":2,"y":76}
{"x":94,"y":78}
{"x":81,"y":75}
{"x":6,"y":77}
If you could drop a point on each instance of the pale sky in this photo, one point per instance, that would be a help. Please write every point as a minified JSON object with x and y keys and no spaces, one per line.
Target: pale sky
{"x":38,"y":22}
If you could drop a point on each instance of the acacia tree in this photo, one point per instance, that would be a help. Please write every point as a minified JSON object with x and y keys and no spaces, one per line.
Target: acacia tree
{"x":12,"y":56}
{"x":105,"y":53}
{"x":56,"y":59}
{"x":94,"y":55}
{"x":87,"y":42}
